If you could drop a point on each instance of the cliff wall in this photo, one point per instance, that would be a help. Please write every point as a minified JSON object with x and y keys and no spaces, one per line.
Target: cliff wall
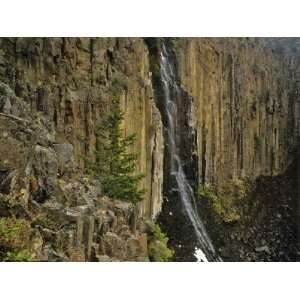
{"x":243,"y":110}
{"x":239,"y":116}
{"x":71,"y":80}
{"x":239,"y":120}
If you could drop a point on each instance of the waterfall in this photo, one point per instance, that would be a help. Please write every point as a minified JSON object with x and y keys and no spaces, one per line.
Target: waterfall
{"x":205,"y":251}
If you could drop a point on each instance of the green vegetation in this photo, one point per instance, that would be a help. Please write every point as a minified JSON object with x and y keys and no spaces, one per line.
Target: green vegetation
{"x":18,"y":256}
{"x":158,"y":245}
{"x":45,"y":221}
{"x":115,"y":164}
{"x":226,"y":199}
{"x":14,"y":238}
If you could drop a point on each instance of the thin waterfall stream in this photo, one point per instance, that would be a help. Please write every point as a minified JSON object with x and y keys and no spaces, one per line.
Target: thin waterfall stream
{"x":205,"y":250}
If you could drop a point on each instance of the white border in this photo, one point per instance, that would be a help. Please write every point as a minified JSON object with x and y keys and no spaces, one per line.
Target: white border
{"x":149,"y":18}
{"x":151,"y":281}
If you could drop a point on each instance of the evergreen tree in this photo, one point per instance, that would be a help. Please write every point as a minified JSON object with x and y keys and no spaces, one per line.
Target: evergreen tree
{"x":115,"y":164}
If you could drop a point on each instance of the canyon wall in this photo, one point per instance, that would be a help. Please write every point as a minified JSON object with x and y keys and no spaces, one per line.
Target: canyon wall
{"x":243,"y":110}
{"x":238,"y":118}
{"x":239,"y":114}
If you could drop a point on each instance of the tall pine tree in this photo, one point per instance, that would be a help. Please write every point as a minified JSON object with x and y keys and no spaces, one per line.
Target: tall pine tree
{"x":115,"y":164}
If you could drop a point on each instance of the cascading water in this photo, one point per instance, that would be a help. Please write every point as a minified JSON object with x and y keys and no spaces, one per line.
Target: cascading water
{"x":205,"y":250}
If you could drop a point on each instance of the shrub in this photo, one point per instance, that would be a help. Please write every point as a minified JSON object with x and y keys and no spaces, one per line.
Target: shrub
{"x":18,"y":256}
{"x":14,"y":233}
{"x":209,"y":193}
{"x":226,"y":199}
{"x":158,"y":245}
{"x":14,"y":239}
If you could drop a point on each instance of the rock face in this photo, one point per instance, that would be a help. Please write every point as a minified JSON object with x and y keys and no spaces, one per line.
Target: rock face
{"x":243,"y":109}
{"x":69,"y":217}
{"x":53,"y":92}
{"x":241,"y":100}
{"x":240,"y":118}
{"x":70,"y":82}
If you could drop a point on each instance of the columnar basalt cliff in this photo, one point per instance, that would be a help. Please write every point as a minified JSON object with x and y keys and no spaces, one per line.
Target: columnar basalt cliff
{"x":53,"y":93}
{"x":242,"y":107}
{"x":237,"y":119}
{"x":241,"y":101}
{"x":70,"y":81}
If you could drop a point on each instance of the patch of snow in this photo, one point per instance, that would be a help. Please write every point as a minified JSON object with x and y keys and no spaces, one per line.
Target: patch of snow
{"x":200,"y":255}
